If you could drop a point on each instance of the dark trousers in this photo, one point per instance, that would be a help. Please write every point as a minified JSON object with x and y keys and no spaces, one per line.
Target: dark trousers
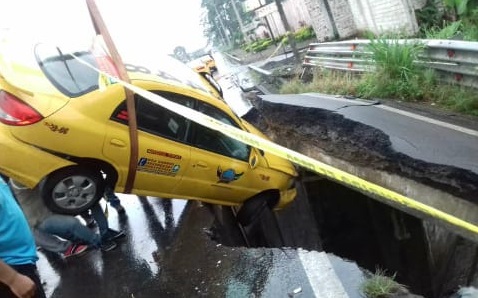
{"x":31,"y":272}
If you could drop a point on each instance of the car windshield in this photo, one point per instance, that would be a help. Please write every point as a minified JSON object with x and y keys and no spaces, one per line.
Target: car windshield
{"x":66,"y":73}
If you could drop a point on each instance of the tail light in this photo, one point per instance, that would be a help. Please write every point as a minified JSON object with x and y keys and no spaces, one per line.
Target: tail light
{"x":14,"y":111}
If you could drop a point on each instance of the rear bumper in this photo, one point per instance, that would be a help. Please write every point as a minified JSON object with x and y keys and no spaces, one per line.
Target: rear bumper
{"x":25,"y":163}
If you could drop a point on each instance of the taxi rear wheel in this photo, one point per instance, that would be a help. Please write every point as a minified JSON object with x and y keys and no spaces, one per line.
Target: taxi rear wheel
{"x":72,"y":190}
{"x":252,"y":209}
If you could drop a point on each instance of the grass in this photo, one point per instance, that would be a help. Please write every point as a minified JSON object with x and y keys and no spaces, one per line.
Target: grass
{"x":324,"y":81}
{"x":380,"y":285}
{"x":445,"y":32}
{"x":396,"y":76}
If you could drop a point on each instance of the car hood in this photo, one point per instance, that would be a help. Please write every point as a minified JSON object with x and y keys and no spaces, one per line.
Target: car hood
{"x":22,"y":76}
{"x":275,"y":162}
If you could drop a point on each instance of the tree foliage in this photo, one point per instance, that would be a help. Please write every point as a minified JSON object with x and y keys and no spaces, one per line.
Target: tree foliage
{"x":220,"y":21}
{"x":454,"y":19}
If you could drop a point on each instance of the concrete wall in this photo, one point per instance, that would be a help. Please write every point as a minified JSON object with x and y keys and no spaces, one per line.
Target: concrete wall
{"x":353,"y":16}
{"x":342,"y":16}
{"x":346,"y":18}
{"x":381,"y":16}
{"x":297,"y":15}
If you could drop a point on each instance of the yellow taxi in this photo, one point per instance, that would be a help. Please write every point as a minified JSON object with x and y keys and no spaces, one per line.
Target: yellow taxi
{"x":200,"y":66}
{"x":203,"y":64}
{"x":210,"y":62}
{"x":64,"y":131}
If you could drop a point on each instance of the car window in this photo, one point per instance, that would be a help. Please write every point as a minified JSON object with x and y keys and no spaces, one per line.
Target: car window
{"x":215,"y":141}
{"x":67,"y":74}
{"x":155,"y":119}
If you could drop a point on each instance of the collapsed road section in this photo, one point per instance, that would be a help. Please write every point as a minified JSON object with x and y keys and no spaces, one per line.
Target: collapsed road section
{"x":427,"y":160}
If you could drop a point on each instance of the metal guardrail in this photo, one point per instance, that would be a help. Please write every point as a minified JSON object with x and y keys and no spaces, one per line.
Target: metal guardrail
{"x":454,"y":61}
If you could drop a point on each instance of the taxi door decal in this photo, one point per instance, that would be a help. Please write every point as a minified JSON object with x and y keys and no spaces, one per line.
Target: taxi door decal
{"x":228,"y":175}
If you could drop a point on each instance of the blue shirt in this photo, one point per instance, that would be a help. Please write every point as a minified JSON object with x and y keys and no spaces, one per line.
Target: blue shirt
{"x":17,"y":246}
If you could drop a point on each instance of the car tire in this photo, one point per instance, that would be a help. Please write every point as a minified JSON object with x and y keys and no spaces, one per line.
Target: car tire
{"x":72,"y":190}
{"x":252,"y":209}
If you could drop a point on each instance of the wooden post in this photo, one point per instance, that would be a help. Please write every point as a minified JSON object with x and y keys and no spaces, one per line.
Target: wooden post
{"x":100,"y":28}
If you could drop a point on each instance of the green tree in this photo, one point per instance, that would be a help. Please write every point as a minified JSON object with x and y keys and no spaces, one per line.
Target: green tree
{"x":222,"y":20}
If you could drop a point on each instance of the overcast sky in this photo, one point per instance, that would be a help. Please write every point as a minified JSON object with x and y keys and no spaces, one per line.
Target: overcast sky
{"x":148,"y":26}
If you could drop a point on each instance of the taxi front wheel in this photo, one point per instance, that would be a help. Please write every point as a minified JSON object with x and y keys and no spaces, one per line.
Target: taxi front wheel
{"x":252,"y":209}
{"x":72,"y":190}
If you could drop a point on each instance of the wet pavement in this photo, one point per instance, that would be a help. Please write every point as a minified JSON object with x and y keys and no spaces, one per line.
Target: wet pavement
{"x":150,"y":225}
{"x":168,"y":252}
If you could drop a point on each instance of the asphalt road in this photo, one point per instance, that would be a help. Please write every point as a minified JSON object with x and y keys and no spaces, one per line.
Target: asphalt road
{"x":419,"y":137}
{"x":168,"y":252}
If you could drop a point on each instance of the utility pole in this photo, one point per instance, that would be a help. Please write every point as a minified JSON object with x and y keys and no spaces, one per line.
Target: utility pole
{"x":290,"y":34}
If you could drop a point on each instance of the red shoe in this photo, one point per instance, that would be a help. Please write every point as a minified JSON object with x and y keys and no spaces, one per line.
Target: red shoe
{"x":74,"y":250}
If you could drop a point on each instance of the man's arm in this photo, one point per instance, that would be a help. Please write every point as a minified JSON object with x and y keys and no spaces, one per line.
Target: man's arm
{"x":22,"y":286}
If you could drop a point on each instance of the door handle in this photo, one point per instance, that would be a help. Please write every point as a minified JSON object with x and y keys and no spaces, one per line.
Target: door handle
{"x":117,"y":143}
{"x":202,"y":164}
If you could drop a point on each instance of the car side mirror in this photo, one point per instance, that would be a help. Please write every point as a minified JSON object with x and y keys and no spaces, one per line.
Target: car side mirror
{"x":253,"y":159}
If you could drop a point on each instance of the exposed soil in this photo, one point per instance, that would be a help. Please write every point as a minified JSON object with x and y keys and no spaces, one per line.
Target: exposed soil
{"x":357,"y":143}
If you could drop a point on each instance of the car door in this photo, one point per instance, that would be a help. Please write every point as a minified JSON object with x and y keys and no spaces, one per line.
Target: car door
{"x":219,"y":169}
{"x":163,"y":155}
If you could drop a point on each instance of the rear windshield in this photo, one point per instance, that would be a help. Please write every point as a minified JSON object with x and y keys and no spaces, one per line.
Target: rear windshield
{"x":65,"y":72}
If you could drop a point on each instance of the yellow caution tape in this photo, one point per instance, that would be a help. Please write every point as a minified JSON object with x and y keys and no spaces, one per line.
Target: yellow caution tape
{"x":275,"y":51}
{"x":295,"y":157}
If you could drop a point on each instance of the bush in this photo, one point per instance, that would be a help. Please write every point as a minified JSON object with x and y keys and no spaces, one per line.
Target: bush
{"x":448,"y":31}
{"x":304,"y":33}
{"x":258,"y":45}
{"x":284,"y":39}
{"x":261,"y":45}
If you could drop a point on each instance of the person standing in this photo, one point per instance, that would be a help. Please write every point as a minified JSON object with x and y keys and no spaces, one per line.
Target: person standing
{"x":18,"y":272}
{"x":112,"y":199}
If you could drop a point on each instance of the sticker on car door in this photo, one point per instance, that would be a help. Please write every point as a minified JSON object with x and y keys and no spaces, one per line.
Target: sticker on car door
{"x":158,"y":167}
{"x":228,"y":175}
